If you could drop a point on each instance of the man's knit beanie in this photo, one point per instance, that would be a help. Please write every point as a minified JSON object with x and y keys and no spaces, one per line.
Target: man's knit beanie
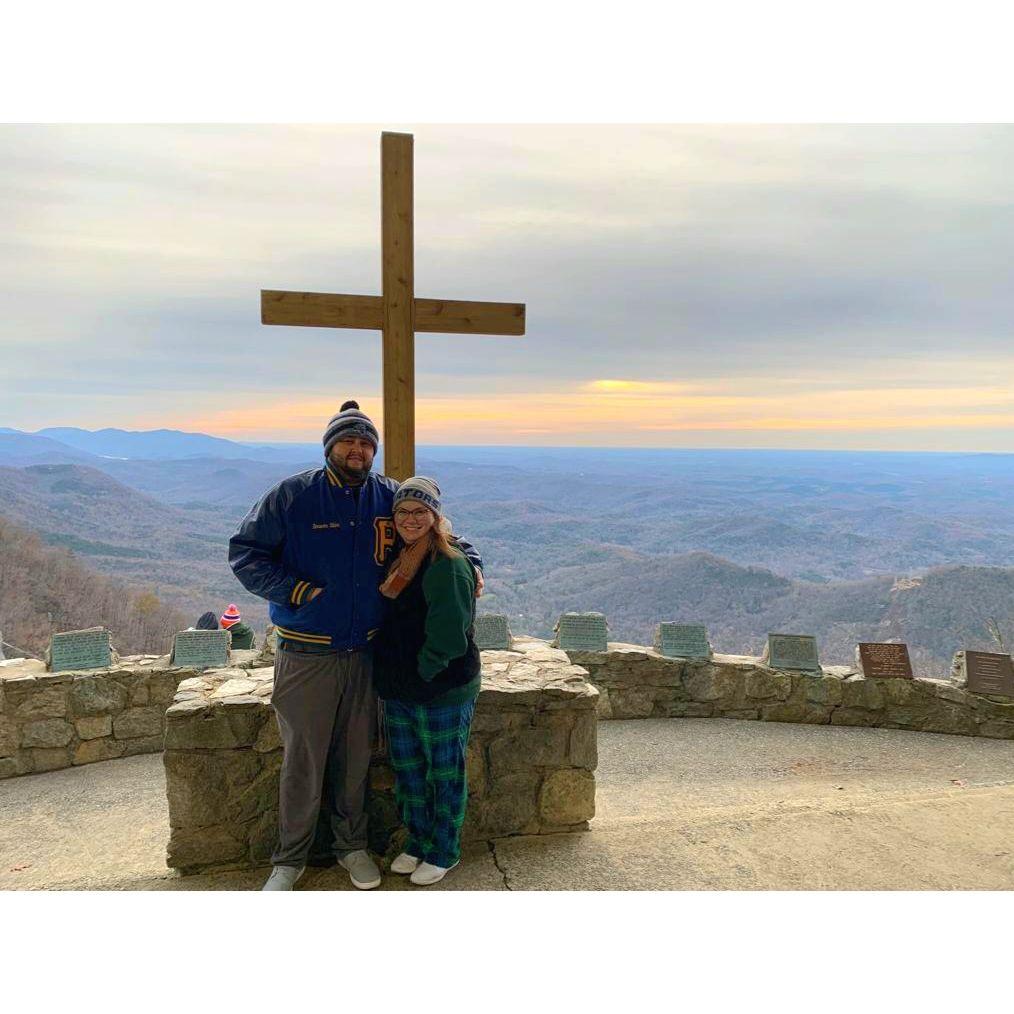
{"x":350,"y":422}
{"x":421,"y":490}
{"x":231,"y":616}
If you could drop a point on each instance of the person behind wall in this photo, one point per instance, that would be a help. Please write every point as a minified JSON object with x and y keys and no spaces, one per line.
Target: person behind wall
{"x":240,"y":634}
{"x":316,"y":546}
{"x":427,"y":672}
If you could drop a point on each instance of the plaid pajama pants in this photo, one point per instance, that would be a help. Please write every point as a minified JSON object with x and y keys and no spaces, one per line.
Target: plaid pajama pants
{"x":426,"y":745}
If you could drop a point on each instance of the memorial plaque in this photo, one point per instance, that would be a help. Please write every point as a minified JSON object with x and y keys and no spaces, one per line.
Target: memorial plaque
{"x":581,"y":632}
{"x":201,"y":649}
{"x":989,"y":673}
{"x":80,"y":649}
{"x":884,"y":660}
{"x":682,"y":640}
{"x":792,"y":651}
{"x":492,"y":632}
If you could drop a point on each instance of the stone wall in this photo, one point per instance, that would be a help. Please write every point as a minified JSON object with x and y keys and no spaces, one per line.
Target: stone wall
{"x":56,"y":720}
{"x":531,"y":758}
{"x":638,"y":682}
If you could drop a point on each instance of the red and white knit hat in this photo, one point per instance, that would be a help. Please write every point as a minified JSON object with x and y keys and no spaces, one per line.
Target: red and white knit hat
{"x":230,"y":617}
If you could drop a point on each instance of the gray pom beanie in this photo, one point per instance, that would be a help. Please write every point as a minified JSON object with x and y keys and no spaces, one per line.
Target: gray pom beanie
{"x":421,"y":490}
{"x":350,"y":422}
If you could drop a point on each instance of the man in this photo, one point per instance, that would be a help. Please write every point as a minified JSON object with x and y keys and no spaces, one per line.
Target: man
{"x":315,"y":546}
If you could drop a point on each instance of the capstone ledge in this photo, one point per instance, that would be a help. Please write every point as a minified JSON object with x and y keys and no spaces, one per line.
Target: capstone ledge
{"x":57,"y":720}
{"x":638,"y":682}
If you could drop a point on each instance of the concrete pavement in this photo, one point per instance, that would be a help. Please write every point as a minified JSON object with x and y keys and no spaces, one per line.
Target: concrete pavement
{"x":685,"y":804}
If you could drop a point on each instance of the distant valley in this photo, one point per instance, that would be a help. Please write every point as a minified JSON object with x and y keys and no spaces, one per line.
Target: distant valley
{"x":744,"y":541}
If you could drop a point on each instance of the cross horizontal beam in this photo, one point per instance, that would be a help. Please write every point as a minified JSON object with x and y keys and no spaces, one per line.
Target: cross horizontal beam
{"x":436,"y":316}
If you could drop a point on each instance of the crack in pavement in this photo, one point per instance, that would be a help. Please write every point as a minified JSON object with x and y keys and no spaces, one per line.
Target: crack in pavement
{"x":496,"y":863}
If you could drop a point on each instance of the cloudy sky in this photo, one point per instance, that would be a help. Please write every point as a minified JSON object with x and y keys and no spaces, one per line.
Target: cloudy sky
{"x":694,"y":286}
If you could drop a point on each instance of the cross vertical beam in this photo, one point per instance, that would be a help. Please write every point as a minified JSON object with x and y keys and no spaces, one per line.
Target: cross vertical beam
{"x":398,"y":281}
{"x":396,"y":313}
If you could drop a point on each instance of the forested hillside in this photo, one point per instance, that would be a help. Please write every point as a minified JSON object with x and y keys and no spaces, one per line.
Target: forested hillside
{"x":945,"y":609}
{"x":847,"y":546}
{"x":178,"y":553}
{"x":44,"y":590}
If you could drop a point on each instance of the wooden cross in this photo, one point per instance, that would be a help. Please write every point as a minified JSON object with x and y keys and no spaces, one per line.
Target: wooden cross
{"x":398,"y":313}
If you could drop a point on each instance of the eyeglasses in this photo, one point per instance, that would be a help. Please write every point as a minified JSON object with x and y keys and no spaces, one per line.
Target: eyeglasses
{"x":418,"y":515}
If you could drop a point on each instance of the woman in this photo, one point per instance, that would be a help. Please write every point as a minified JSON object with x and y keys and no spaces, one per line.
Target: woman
{"x":426,"y":669}
{"x":240,"y":635}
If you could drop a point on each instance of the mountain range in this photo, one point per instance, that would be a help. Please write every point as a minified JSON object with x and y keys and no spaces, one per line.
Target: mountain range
{"x":846,"y":545}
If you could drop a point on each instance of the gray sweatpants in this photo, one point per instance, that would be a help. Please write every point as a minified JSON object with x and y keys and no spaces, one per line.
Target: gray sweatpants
{"x":327,"y":716}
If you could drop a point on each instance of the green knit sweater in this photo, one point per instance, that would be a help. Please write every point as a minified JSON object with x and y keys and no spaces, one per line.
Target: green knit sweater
{"x":241,"y":636}
{"x":449,"y":589}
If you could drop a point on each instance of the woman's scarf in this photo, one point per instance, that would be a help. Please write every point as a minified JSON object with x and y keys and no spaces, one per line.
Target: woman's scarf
{"x":406,"y":567}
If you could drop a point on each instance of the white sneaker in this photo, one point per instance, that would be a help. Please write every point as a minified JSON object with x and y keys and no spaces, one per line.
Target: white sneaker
{"x":283,"y":878}
{"x":404,"y":864}
{"x":427,"y":873}
{"x":362,"y":869}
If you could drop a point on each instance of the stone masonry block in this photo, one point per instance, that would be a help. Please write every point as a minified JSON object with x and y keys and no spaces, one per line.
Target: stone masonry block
{"x":48,"y":732}
{"x":216,"y":728}
{"x":509,"y":806}
{"x":803,"y":712}
{"x":822,"y":689}
{"x":567,"y":797}
{"x":950,"y":719}
{"x":197,"y":789}
{"x":49,"y":758}
{"x":48,"y":702}
{"x":146,"y":744}
{"x":584,"y":743}
{"x":162,"y":685}
{"x":137,"y":722}
{"x":763,"y":683}
{"x":97,"y":750}
{"x":8,"y":737}
{"x":862,"y":694}
{"x":197,"y":848}
{"x":94,"y":727}
{"x":633,"y":702}
{"x":994,"y":729}
{"x":712,"y":683}
{"x":525,"y":748}
{"x":689,"y":709}
{"x":96,"y":695}
{"x":269,"y":738}
{"x":475,"y":768}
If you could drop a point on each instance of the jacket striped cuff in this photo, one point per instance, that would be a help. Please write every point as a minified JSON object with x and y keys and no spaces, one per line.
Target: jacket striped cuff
{"x":301,"y":593}
{"x":298,"y":635}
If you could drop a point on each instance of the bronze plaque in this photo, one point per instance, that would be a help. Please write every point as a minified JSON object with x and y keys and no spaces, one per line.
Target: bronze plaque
{"x":884,"y":660}
{"x":581,"y":632}
{"x":989,"y":673}
{"x":492,"y":632}
{"x":80,"y":649}
{"x":793,"y":651}
{"x":682,"y":640}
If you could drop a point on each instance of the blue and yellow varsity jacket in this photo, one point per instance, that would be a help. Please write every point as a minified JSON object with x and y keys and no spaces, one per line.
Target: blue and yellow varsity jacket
{"x":311,"y":531}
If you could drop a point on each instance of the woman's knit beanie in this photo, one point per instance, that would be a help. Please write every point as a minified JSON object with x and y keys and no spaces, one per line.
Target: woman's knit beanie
{"x":421,"y":490}
{"x":231,"y":616}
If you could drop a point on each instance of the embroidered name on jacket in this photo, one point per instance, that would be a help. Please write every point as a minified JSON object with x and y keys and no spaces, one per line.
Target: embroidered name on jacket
{"x":325,"y":525}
